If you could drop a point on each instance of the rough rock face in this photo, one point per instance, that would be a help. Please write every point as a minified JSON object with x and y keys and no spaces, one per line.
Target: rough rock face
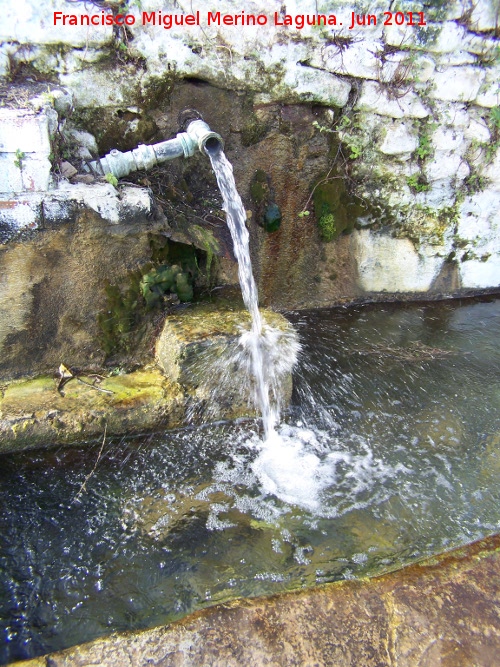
{"x":442,"y":612}
{"x":33,"y":413}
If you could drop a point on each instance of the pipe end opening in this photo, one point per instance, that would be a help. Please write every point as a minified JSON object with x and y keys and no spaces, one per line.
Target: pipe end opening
{"x":213,"y":145}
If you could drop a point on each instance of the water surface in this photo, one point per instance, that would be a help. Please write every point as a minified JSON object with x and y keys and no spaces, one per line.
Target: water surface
{"x":390,"y":452}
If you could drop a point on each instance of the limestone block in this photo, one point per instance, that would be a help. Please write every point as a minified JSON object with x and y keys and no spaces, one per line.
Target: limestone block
{"x":207,"y":351}
{"x":489,"y":94}
{"x":375,"y":98}
{"x":84,"y":139}
{"x":478,"y":235}
{"x":314,"y":85}
{"x":483,"y":46}
{"x":446,"y":164}
{"x":18,"y":214}
{"x":459,"y":84}
{"x":477,"y":131}
{"x":387,"y":264}
{"x":479,"y":222}
{"x":447,"y":139}
{"x":450,"y":38}
{"x":480,"y":274}
{"x":358,"y":59}
{"x":452,"y":113}
{"x":456,"y":58}
{"x":492,"y":172}
{"x":30,"y":173}
{"x":423,"y":68}
{"x":29,"y":210}
{"x":484,"y":16}
{"x":112,"y":205}
{"x":33,"y":23}
{"x":94,"y":88}
{"x":440,"y":195}
{"x":455,"y":9}
{"x":399,"y":139}
{"x":26,"y":131}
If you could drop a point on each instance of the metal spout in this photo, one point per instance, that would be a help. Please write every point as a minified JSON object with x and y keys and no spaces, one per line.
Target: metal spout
{"x":198,"y":135}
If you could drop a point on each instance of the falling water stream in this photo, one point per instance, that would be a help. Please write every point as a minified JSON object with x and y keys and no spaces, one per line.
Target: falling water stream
{"x":389,"y":451}
{"x":236,"y":220}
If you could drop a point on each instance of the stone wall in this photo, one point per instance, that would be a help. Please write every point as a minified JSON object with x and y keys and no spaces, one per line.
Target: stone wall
{"x":368,"y":157}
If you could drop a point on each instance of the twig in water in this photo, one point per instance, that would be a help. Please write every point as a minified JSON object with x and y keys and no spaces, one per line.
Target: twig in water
{"x":83,"y":487}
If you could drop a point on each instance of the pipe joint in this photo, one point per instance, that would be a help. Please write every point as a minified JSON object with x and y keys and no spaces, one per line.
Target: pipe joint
{"x":198,"y":135}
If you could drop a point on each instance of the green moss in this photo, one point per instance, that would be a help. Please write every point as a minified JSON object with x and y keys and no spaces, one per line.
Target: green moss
{"x":157,"y":90}
{"x":111,"y":128}
{"x":253,"y":132}
{"x":259,"y":188}
{"x":131,"y":304}
{"x":327,"y":227}
{"x":418,"y":183}
{"x":211,"y":247}
{"x":336,"y":210}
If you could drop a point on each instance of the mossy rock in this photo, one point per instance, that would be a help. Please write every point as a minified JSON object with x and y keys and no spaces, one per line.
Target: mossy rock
{"x":259,"y":187}
{"x":336,"y":210}
{"x":35,"y":414}
{"x":203,"y":349}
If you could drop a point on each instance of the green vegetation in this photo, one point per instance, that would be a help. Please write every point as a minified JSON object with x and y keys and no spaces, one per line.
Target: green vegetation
{"x":165,"y":279}
{"x":418,"y":183}
{"x":335,"y":209}
{"x":111,"y":179}
{"x":424,"y":149}
{"x":327,"y":228}
{"x":494,"y":123}
{"x":20,"y":156}
{"x":131,"y":304}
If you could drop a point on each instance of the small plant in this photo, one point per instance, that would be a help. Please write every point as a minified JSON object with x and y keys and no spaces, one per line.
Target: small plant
{"x":321,"y":128}
{"x":327,"y":227}
{"x":20,"y":156}
{"x":111,"y":179}
{"x":304,"y":214}
{"x":416,"y":182}
{"x":474,"y":183}
{"x":424,"y":147}
{"x":356,"y":151}
{"x":495,"y":117}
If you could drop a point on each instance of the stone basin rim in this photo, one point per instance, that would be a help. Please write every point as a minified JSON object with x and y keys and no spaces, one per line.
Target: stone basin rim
{"x":447,"y":564}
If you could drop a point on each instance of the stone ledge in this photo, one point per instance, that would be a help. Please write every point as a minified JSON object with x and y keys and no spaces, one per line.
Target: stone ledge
{"x":33,"y":413}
